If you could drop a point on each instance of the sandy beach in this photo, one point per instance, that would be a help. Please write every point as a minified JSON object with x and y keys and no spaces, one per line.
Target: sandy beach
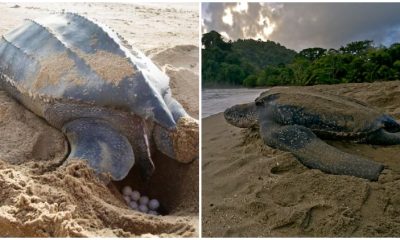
{"x":40,"y":197}
{"x":252,"y":190}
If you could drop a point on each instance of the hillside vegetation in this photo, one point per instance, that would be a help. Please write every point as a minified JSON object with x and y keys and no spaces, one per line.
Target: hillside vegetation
{"x":254,"y":63}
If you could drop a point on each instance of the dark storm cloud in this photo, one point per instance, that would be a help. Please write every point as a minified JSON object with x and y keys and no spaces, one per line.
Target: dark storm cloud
{"x":302,"y":25}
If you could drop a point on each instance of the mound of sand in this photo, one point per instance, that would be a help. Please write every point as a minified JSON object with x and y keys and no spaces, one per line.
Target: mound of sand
{"x":250,"y":189}
{"x":71,"y":202}
{"x":41,"y":197}
{"x":181,"y":65}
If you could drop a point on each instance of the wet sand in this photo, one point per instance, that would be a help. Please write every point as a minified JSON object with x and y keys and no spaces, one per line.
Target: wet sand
{"x":40,"y":197}
{"x":250,"y":189}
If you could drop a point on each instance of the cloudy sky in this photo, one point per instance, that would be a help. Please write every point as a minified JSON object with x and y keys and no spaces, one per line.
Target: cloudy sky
{"x":302,"y":25}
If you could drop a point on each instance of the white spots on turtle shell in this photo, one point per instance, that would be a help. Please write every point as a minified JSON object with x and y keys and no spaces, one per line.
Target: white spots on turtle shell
{"x":139,"y":202}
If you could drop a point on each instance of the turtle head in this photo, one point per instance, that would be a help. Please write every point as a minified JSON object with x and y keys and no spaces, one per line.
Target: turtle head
{"x":181,"y":143}
{"x":242,"y":115}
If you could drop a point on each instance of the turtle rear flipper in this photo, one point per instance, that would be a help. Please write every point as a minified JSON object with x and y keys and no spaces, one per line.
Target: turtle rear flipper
{"x":182,"y":143}
{"x":96,"y":142}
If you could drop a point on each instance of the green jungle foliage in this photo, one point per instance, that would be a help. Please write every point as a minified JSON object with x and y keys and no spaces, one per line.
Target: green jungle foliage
{"x":254,"y":63}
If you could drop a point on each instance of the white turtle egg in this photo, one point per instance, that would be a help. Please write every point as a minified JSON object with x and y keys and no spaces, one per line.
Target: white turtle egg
{"x":154,"y":204}
{"x":135,"y":195}
{"x":152,"y":212}
{"x":127,"y":199}
{"x":127,"y":190}
{"x":134,"y":205}
{"x":143,"y":208}
{"x":144,"y":200}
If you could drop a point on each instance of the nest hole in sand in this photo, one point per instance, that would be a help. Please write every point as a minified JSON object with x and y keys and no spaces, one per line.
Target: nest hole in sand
{"x":173,"y":184}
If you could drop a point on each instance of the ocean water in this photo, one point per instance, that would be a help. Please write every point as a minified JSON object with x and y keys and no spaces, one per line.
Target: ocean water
{"x":217,"y":100}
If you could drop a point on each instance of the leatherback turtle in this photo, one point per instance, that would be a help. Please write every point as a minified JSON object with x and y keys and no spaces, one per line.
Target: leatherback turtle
{"x":109,"y":99}
{"x":295,"y":120}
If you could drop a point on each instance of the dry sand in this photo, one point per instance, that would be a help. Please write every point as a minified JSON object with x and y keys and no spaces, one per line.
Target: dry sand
{"x":250,"y":189}
{"x":40,"y":198}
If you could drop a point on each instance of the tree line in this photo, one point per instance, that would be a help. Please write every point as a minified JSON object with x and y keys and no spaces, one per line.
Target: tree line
{"x":254,"y":63}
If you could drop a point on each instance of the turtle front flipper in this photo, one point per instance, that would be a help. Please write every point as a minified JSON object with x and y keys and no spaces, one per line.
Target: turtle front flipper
{"x":104,"y":148}
{"x":314,"y":153}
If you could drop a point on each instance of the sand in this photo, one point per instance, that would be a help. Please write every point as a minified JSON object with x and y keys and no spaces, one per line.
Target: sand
{"x":250,"y":189}
{"x":41,"y":197}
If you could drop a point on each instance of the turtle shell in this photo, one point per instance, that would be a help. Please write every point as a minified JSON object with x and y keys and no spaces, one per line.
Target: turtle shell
{"x":324,"y":114}
{"x":70,"y":58}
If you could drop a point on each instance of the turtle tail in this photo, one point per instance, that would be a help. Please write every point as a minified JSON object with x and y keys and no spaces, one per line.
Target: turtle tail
{"x":242,"y":115}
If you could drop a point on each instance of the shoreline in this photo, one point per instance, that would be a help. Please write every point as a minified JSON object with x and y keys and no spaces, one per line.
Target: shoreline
{"x":266,"y":87}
